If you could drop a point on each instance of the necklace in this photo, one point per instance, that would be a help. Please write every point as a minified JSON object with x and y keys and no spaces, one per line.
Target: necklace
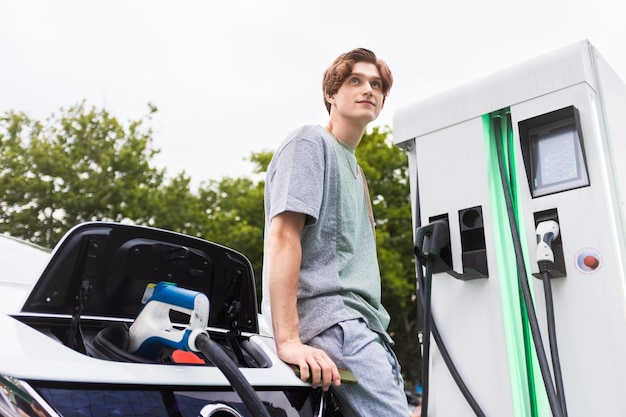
{"x":354,"y":173}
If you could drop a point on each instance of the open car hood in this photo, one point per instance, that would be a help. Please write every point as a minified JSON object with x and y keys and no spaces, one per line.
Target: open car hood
{"x":104,"y":269}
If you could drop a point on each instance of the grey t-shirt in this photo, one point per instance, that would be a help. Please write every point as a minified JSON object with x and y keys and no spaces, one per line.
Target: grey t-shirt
{"x":315,"y":174}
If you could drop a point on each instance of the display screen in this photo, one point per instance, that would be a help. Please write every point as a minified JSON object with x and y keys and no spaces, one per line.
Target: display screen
{"x":557,"y":160}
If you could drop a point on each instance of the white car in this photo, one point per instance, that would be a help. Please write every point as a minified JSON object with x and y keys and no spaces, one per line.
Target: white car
{"x":78,"y":337}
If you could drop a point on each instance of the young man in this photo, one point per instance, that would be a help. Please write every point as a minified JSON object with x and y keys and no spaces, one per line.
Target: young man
{"x":321,"y":281}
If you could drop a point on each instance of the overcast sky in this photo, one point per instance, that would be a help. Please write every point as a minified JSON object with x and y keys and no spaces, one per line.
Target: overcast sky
{"x":233,"y":77}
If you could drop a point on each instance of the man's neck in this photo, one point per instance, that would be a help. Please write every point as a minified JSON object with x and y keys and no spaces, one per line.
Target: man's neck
{"x":347,"y":133}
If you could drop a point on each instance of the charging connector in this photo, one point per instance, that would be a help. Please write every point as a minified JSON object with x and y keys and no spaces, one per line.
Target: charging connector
{"x":430,"y":239}
{"x":549,"y":255}
{"x":546,"y":232}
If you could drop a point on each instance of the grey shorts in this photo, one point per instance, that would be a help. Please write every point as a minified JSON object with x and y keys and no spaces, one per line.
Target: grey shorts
{"x":380,"y":388}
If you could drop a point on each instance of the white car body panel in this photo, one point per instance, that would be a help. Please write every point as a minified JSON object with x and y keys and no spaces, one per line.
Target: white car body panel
{"x":34,"y":355}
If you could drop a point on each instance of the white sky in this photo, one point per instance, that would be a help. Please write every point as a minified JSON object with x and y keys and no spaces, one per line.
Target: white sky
{"x":232,"y":77}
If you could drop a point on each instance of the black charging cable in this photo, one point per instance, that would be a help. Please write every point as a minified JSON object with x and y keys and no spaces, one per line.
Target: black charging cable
{"x":553,"y":399}
{"x":547,"y":232}
{"x":214,"y":352}
{"x":554,"y":350}
{"x":426,"y":331}
{"x":429,"y":240}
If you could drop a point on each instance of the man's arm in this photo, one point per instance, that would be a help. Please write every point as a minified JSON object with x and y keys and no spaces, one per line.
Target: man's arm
{"x":284,"y":255}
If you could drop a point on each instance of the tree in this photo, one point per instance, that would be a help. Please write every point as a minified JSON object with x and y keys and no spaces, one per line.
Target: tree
{"x":81,"y":166}
{"x":235,"y":217}
{"x":175,"y":206}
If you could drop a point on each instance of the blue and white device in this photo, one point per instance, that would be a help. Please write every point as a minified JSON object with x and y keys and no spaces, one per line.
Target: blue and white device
{"x":153,"y":330}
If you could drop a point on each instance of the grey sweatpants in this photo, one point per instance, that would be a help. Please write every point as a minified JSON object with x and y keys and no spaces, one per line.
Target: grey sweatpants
{"x":380,"y":388}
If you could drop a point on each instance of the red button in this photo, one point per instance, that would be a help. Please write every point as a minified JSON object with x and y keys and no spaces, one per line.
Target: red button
{"x":591,"y":261}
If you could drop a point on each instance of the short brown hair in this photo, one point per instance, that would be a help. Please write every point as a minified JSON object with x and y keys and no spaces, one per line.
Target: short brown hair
{"x":342,"y":67}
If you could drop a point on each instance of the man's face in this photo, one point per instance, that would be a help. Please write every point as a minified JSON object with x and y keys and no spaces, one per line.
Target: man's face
{"x":360,"y":97}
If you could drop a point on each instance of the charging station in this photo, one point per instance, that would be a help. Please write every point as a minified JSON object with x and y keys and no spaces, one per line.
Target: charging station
{"x":525,"y":163}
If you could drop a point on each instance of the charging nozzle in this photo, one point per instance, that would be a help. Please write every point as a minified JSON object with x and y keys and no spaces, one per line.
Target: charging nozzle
{"x":431,"y":238}
{"x":153,"y":330}
{"x":546,"y":232}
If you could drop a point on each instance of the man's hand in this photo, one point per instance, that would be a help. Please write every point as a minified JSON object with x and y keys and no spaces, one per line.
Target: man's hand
{"x":314,"y":364}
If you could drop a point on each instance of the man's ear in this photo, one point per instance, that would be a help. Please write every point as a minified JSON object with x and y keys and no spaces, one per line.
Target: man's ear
{"x":329,"y":98}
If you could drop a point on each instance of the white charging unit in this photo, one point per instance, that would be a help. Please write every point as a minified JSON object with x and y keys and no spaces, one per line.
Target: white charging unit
{"x":552,"y":130}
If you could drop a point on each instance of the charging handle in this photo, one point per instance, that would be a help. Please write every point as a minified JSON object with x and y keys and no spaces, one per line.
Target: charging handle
{"x":430,"y":239}
{"x":549,"y":250}
{"x":546,"y":232}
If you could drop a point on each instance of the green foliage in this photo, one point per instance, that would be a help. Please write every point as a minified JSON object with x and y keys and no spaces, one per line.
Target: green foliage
{"x":235,"y":217}
{"x":81,"y":166}
{"x":174,"y":206}
{"x":261,"y":160}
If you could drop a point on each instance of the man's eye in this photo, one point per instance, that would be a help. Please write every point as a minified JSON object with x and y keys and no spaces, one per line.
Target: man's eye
{"x":376,"y":84}
{"x":354,"y":80}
